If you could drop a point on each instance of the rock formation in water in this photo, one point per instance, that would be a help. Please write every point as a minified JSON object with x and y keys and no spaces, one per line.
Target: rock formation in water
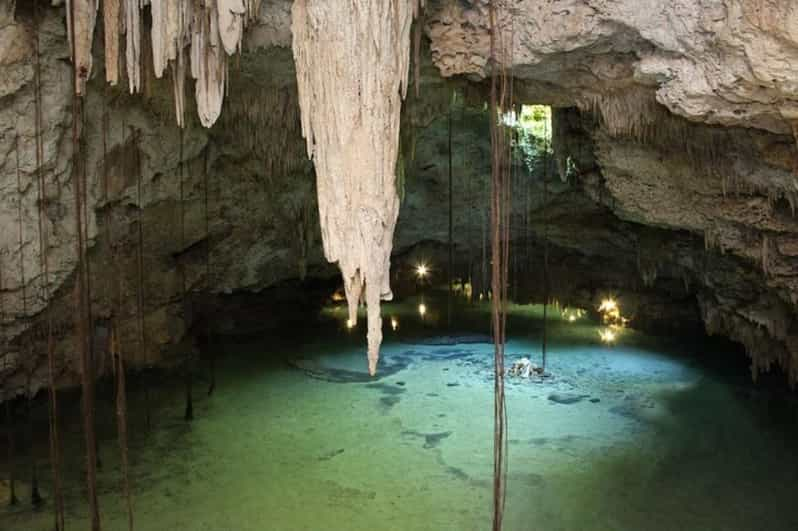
{"x":674,"y":126}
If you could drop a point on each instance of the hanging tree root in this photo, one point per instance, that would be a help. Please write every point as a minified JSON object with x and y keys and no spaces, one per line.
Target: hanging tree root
{"x":500,"y":102}
{"x":114,"y":349}
{"x":54,"y":432}
{"x":80,"y":73}
{"x":12,"y":457}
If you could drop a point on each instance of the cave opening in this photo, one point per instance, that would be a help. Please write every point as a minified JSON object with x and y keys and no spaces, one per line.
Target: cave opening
{"x":442,"y":264}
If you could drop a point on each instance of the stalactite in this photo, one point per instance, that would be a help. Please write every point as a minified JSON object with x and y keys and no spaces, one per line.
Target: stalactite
{"x":167,"y":32}
{"x":232,"y":16}
{"x":352,"y":65}
{"x":179,"y":87}
{"x":81,"y":295}
{"x":133,"y":44}
{"x":111,"y":23}
{"x":54,"y":433}
{"x":208,"y":67}
{"x":214,"y":30}
{"x":81,"y":18}
{"x":635,"y":114}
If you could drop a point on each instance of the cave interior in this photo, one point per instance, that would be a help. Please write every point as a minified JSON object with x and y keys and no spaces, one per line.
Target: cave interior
{"x":398,"y":264}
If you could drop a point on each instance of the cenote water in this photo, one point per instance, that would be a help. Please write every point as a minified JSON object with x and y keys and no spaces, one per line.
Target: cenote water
{"x":635,"y":436}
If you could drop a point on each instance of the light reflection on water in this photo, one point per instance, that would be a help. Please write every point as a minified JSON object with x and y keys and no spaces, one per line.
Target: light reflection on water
{"x":634,"y":436}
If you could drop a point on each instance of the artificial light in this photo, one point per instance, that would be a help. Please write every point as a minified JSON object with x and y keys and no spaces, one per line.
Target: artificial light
{"x":421,"y":270}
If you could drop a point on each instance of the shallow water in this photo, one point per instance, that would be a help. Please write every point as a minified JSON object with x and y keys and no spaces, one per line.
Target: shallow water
{"x":633,"y":436}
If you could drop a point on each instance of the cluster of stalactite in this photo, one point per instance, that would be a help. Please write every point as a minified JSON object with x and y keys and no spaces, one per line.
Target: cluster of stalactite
{"x":352,"y":63}
{"x":634,"y":113}
{"x":209,"y":28}
{"x":265,"y":123}
{"x":195,"y":36}
{"x":765,"y":337}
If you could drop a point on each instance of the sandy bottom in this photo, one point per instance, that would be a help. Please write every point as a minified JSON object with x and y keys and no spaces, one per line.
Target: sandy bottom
{"x":618,"y":438}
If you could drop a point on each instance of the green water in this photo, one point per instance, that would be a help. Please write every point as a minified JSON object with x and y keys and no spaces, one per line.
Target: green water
{"x":651,"y":440}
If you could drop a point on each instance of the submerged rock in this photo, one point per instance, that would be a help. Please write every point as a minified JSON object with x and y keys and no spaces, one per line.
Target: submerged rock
{"x":567,"y":398}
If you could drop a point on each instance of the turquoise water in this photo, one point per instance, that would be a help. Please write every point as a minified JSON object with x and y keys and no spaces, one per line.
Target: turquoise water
{"x":634,"y":436}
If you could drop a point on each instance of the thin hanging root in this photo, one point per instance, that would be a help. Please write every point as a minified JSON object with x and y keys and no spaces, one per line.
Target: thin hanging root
{"x":36,"y":498}
{"x":189,"y":413}
{"x":88,"y":281}
{"x":121,"y":419}
{"x":81,"y":295}
{"x":450,"y":277}
{"x":545,"y":247}
{"x":417,"y":31}
{"x":115,"y":350}
{"x":10,"y":433}
{"x":501,"y":203}
{"x":208,"y":332}
{"x":140,"y":278}
{"x":54,"y":433}
{"x":12,"y":456}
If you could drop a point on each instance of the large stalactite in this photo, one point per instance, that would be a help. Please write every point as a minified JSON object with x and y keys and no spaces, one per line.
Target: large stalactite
{"x":352,"y":62}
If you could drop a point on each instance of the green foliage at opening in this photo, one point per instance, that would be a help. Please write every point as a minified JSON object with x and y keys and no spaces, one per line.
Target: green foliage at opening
{"x":533,"y":134}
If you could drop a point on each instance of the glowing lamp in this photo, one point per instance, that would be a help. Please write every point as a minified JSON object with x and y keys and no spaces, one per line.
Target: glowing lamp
{"x":394,"y":323}
{"x":422,"y":309}
{"x":350,"y":324}
{"x":608,"y":306}
{"x":422,"y":271}
{"x":607,"y":335}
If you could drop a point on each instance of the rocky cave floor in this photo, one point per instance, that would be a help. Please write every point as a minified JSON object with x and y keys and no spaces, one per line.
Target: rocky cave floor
{"x":644,"y":434}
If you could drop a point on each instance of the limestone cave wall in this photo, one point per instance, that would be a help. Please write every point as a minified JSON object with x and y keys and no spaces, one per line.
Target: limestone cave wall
{"x":673,"y":133}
